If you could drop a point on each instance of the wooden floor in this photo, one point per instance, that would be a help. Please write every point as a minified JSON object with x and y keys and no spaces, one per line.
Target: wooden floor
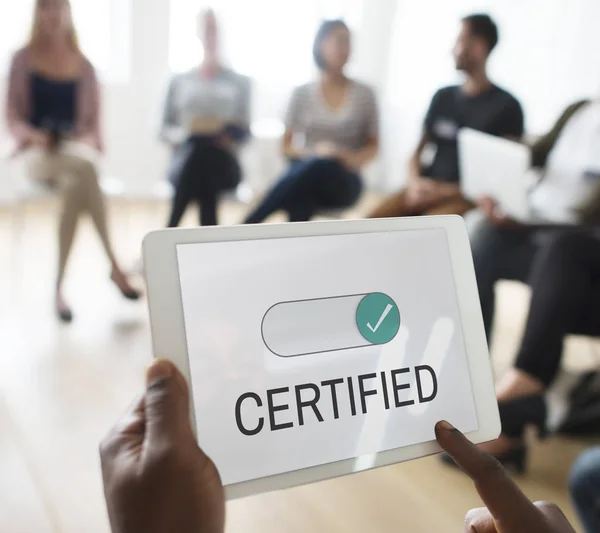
{"x":62,"y":387}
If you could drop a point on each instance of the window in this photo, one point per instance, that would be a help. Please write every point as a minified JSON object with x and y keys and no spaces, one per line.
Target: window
{"x":270,"y":40}
{"x":103,"y":28}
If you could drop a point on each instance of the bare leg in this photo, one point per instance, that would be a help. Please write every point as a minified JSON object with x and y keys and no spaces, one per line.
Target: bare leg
{"x":72,"y":207}
{"x":43,"y":166}
{"x":91,"y":198}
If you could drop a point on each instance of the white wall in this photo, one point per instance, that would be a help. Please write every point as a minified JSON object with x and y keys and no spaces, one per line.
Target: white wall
{"x":548,"y":56}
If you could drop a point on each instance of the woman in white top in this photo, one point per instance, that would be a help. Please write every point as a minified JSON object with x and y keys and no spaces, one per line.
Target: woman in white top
{"x":336,"y":121}
{"x":207,"y":114}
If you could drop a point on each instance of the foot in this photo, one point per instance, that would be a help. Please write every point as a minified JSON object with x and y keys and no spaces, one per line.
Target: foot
{"x":518,"y":384}
{"x":121,"y":281}
{"x":63,"y":310}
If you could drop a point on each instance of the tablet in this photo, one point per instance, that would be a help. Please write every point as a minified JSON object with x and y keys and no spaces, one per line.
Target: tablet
{"x":498,"y":168}
{"x":315,"y":350}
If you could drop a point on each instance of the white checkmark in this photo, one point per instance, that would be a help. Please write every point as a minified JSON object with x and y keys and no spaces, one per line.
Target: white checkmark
{"x":381,"y":318}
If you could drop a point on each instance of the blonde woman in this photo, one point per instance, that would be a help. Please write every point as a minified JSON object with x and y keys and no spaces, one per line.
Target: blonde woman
{"x":53,"y":115}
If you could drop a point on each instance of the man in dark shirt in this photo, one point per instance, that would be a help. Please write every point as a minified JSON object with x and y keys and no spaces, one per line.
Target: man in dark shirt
{"x":478,"y":104}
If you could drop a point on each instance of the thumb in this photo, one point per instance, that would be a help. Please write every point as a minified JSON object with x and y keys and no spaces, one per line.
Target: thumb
{"x":166,"y":403}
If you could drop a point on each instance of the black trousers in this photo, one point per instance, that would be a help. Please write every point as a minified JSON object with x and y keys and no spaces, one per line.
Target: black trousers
{"x":565,"y":280}
{"x":308,"y":186}
{"x":563,"y":271}
{"x":204,"y":171}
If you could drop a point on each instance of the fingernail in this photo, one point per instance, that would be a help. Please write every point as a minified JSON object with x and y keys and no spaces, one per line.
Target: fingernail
{"x":159,"y":371}
{"x":445,"y":426}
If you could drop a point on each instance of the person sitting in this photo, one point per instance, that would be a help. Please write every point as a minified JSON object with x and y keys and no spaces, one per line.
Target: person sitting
{"x":433,"y":189}
{"x":206,"y":117}
{"x":570,"y":158}
{"x":53,"y":115}
{"x":585,"y":489}
{"x":337,"y":120}
{"x":157,"y":480}
{"x":565,"y":284}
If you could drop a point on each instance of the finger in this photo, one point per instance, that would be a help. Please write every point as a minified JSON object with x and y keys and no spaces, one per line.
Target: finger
{"x":479,"y":521}
{"x":130,"y":424}
{"x":508,"y":505}
{"x":166,"y":403}
{"x":555,"y":516}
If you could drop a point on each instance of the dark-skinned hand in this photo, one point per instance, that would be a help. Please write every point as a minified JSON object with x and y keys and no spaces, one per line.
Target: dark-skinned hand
{"x":156,"y":478}
{"x":507,"y":509}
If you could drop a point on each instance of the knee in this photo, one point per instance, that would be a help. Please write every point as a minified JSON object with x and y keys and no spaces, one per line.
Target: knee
{"x":584,"y":480}
{"x":317,"y":166}
{"x":488,"y":243}
{"x":80,"y":168}
{"x":87,"y":170}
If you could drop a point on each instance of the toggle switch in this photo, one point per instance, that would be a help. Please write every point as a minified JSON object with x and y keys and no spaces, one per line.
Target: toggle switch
{"x":306,"y":327}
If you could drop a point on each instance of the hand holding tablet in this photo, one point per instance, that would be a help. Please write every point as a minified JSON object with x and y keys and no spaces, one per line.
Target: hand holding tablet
{"x":318,"y":350}
{"x":156,"y":479}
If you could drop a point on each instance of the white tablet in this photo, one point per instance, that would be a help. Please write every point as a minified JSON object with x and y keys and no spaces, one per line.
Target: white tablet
{"x":496,"y":167}
{"x":320,"y":349}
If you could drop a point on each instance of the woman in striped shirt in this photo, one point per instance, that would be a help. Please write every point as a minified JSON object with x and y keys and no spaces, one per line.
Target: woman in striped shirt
{"x":331,"y":134}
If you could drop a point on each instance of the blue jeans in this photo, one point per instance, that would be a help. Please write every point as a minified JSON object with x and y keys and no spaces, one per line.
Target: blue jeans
{"x":307,"y":187}
{"x":585,"y":489}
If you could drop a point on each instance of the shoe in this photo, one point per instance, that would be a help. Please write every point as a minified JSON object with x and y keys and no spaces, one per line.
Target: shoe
{"x":127,"y":292}
{"x":514,"y":460}
{"x":519,"y":413}
{"x":516,"y":415}
{"x":65,"y":315}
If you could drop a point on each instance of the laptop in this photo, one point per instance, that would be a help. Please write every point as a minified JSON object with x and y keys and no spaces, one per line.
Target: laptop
{"x":498,"y":168}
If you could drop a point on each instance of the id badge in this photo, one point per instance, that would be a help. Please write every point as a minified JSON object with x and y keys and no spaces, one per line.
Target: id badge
{"x":446,"y":129}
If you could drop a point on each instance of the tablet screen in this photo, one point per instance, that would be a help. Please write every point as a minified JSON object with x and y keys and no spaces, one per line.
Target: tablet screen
{"x":309,"y":350}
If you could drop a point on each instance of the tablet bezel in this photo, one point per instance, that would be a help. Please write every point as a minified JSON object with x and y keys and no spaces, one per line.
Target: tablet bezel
{"x":169,"y":338}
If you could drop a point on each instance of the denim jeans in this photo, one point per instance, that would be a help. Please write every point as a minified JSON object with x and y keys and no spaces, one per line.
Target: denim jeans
{"x":308,"y":186}
{"x":585,"y":489}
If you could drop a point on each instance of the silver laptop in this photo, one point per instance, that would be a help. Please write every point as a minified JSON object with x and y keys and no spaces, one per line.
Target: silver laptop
{"x":495,"y":167}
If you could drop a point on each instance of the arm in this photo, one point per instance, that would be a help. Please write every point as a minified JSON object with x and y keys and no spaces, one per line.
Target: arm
{"x":287,"y":146}
{"x":541,"y":149}
{"x":292,"y":125}
{"x":414,"y":164}
{"x":16,"y":105}
{"x":498,"y":218}
{"x":171,"y":131}
{"x":89,"y":128}
{"x":245,"y":106}
{"x":422,"y":187}
{"x":427,"y":188}
{"x":361,"y":157}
